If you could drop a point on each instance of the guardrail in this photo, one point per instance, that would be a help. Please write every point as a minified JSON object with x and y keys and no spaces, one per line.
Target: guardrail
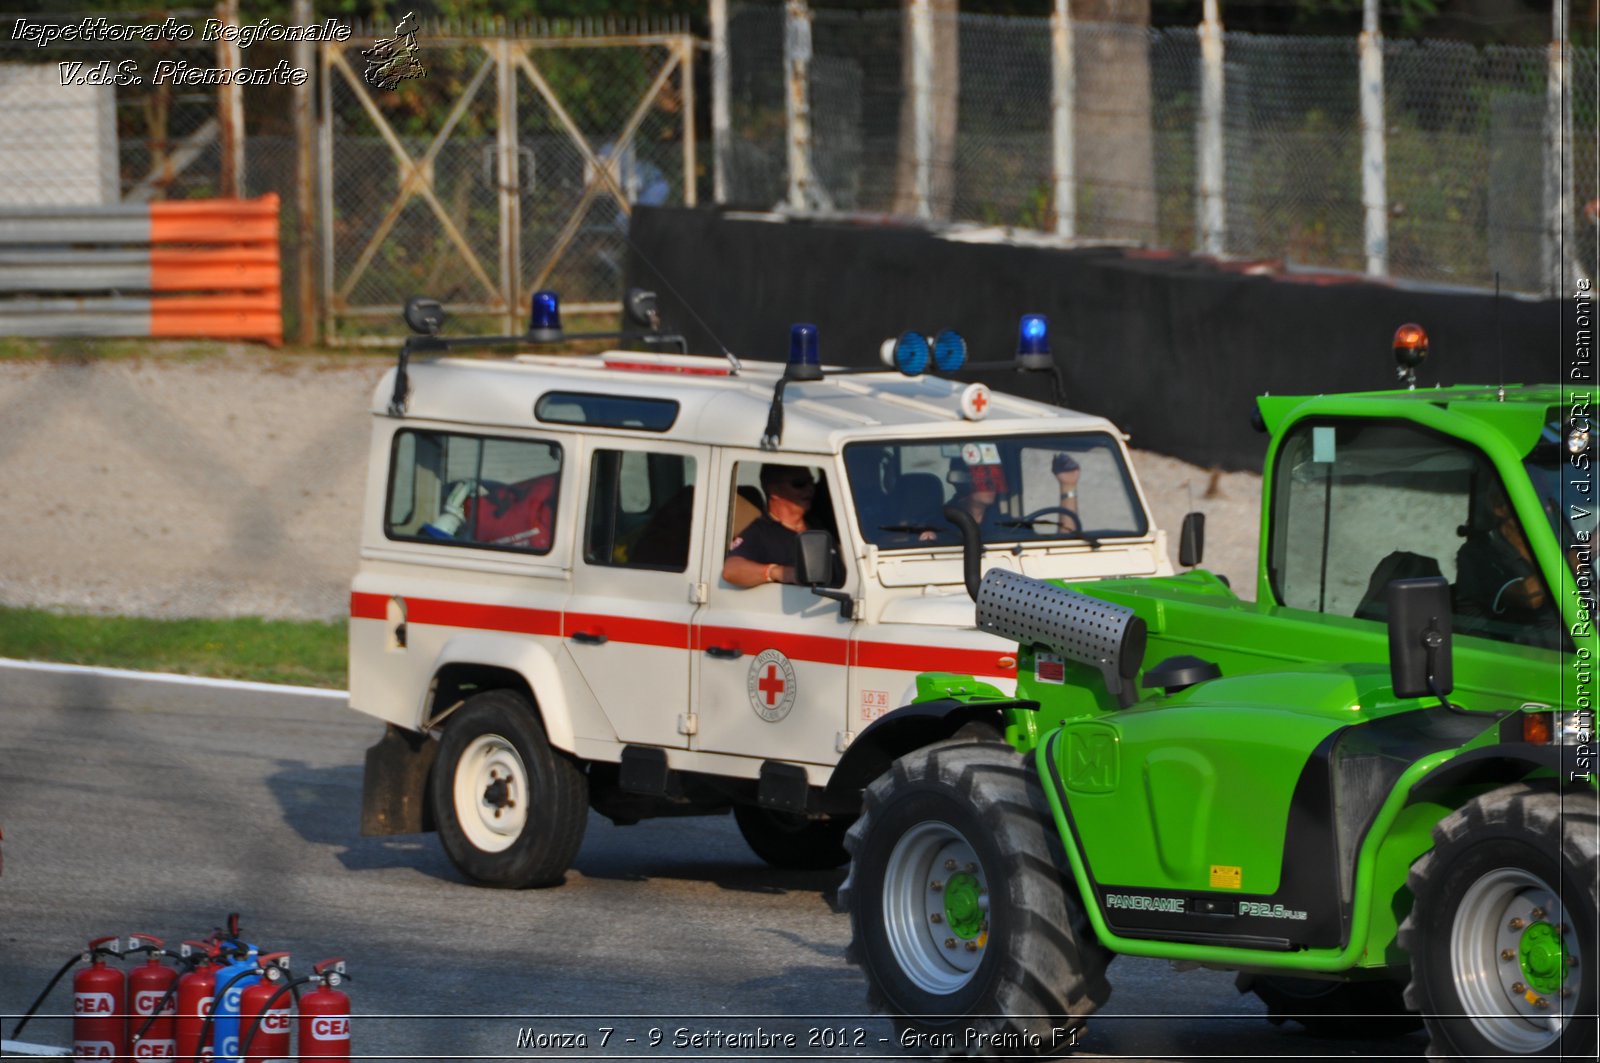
{"x":205,"y":268}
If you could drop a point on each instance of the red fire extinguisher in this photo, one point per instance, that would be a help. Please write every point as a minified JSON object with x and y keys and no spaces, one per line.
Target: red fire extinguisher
{"x":196,"y":990}
{"x":99,"y":1004}
{"x":151,"y":992}
{"x":264,"y":1013}
{"x":325,"y":1015}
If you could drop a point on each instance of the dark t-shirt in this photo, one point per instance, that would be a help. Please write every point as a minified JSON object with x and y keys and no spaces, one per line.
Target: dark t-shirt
{"x":766,"y":542}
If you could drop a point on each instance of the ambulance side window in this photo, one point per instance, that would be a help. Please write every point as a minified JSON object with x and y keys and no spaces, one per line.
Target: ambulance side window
{"x":479,"y":491}
{"x":641,"y":510}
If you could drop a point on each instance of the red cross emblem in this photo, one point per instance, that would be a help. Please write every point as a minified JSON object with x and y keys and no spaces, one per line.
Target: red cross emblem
{"x":771,"y":685}
{"x":980,"y":401}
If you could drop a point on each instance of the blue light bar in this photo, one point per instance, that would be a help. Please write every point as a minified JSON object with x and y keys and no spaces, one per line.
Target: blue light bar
{"x":1033,"y":342}
{"x":949,"y":351}
{"x":804,"y":361}
{"x":911,"y":354}
{"x":544,"y":324}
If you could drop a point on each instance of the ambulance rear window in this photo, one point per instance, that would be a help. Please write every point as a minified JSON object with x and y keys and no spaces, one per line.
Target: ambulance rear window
{"x":606,"y":411}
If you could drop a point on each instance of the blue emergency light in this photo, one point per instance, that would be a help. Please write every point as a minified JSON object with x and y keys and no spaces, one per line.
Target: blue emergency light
{"x":544,"y":324}
{"x":911,"y":354}
{"x":804,"y":361}
{"x":949,"y":351}
{"x":1033,"y":342}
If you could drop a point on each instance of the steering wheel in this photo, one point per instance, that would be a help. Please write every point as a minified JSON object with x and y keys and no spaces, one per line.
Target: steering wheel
{"x":1037,"y":515}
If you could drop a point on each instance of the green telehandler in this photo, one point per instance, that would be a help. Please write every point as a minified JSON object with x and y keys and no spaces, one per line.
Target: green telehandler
{"x":1371,"y":791}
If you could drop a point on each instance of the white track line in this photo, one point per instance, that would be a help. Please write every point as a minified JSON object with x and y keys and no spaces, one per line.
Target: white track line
{"x":166,"y":677}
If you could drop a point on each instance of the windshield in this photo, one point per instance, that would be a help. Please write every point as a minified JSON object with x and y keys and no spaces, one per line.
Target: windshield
{"x":1575,"y":519}
{"x":1019,"y":489}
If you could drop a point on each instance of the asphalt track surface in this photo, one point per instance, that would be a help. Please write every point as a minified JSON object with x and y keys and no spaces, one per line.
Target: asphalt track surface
{"x":137,"y":805}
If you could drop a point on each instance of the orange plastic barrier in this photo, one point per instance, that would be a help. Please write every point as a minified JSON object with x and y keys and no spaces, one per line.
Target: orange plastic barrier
{"x":229,"y":286}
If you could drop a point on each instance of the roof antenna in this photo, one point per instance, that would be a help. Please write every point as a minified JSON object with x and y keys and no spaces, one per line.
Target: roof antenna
{"x":1499,"y":347}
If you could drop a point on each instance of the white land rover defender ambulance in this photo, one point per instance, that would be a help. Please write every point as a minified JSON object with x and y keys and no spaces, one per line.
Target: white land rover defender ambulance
{"x":541,"y":619}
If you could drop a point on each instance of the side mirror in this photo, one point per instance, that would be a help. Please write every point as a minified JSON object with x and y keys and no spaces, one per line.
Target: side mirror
{"x":1192,"y":540}
{"x":1419,"y":637}
{"x":813,"y":564}
{"x":813,"y":567}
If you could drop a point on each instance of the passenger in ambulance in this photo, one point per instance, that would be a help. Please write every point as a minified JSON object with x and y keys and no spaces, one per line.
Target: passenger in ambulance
{"x":977,"y":495}
{"x":765,"y":552}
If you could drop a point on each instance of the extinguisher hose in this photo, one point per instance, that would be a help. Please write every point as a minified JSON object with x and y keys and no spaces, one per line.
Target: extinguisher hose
{"x":206,"y":1026}
{"x":65,"y":967}
{"x":166,"y":998}
{"x":244,"y":1045}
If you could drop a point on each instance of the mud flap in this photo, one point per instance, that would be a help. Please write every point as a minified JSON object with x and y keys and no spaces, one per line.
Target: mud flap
{"x":394,"y":786}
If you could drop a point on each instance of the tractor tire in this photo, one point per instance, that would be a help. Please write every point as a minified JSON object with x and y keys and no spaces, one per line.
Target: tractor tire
{"x":961,"y":910}
{"x":1333,"y":1010}
{"x":510,"y":810}
{"x":1502,"y":929}
{"x":793,"y":842}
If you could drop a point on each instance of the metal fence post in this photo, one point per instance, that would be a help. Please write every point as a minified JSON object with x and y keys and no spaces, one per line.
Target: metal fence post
{"x":304,"y":174}
{"x":508,"y":175}
{"x":797,"y":65}
{"x":691,"y":193}
{"x":1063,"y":97}
{"x":920,"y":41}
{"x":1211,"y":193}
{"x":721,"y":97}
{"x":325,"y":56}
{"x":1557,"y":186}
{"x":230,"y":107}
{"x":1374,"y":150}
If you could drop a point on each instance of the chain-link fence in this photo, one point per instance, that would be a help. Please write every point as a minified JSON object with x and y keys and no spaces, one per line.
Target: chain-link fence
{"x":512,"y":166}
{"x":1464,"y":140}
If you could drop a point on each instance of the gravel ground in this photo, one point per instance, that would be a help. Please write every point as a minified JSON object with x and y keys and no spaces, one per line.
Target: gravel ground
{"x":231,"y":485}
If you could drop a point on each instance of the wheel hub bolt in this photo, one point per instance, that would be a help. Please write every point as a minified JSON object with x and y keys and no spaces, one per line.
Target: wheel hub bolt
{"x":1537,"y":914}
{"x":1508,"y":954}
{"x":949,"y":943}
{"x":935,"y":918}
{"x":951,"y":865}
{"x":1517,"y":924}
{"x":972,"y":869}
{"x":1541,"y":1002}
{"x":936,"y":885}
{"x":972,"y":946}
{"x":1518,"y":988}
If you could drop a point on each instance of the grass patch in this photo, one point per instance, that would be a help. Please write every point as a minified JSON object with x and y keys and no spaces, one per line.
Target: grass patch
{"x":301,"y":652}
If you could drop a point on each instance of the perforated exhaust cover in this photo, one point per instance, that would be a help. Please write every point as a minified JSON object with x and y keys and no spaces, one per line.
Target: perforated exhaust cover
{"x":1075,"y":625}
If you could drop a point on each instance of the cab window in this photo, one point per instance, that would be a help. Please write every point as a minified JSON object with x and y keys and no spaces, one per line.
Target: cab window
{"x":641,"y":510}
{"x":1016,"y":488}
{"x":1359,"y":503}
{"x":478,"y":491}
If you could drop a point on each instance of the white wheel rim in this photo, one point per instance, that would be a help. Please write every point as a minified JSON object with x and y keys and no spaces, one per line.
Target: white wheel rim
{"x":491,"y":793}
{"x":1487,"y":949}
{"x":916,"y":884}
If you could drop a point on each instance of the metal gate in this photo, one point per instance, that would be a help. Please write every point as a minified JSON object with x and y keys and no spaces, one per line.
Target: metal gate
{"x":480,"y":166}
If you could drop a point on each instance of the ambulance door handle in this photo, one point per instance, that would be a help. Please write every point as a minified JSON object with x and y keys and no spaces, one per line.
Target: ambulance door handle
{"x":724,"y":653}
{"x":588,"y":639}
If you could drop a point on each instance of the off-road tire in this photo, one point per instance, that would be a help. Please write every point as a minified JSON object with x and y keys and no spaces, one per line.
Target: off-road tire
{"x":494,"y":757}
{"x":793,"y":842}
{"x":1333,"y":1010}
{"x":1516,"y":853}
{"x":1025,"y":984}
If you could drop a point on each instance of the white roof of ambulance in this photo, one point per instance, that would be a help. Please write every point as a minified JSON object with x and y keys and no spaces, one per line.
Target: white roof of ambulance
{"x":717,"y":408}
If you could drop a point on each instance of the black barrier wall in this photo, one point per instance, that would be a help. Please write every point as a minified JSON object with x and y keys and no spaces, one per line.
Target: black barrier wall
{"x":1171,"y":348}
